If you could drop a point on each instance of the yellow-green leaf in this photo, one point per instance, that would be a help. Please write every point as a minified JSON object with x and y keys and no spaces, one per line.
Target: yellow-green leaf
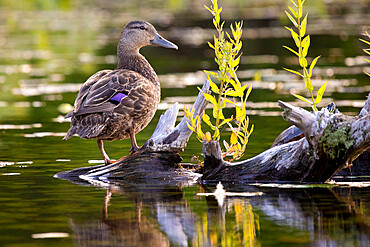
{"x":187,"y":111}
{"x":293,"y":71}
{"x":303,"y":62}
{"x":291,"y":19}
{"x":217,"y":113}
{"x":303,"y":26}
{"x":211,"y":73}
{"x":305,"y":45}
{"x":236,"y":84}
{"x":199,"y":131}
{"x":236,"y":154}
{"x":238,"y":112}
{"x":320,"y":93}
{"x":217,"y":17}
{"x":223,"y":103}
{"x":215,"y":23}
{"x":365,"y":41}
{"x":233,"y":138}
{"x":295,"y":36}
{"x":251,"y":130}
{"x":290,"y":49}
{"x":306,"y":41}
{"x":302,"y":98}
{"x":232,"y":93}
{"x":208,"y":9}
{"x":190,"y":127}
{"x":207,"y":120}
{"x":236,"y":62}
{"x":241,"y":90}
{"x":313,"y":65}
{"x":308,"y":84}
{"x":226,"y":121}
{"x":210,"y":98}
{"x":293,"y":12}
{"x":238,"y":47}
{"x":241,"y":113}
{"x":210,"y":45}
{"x":229,"y":101}
{"x":220,"y":114}
{"x":299,"y":10}
{"x":294,"y":3}
{"x":219,"y":10}
{"x":205,"y":117}
{"x":214,"y":87}
{"x":248,"y":92}
{"x":216,"y":135}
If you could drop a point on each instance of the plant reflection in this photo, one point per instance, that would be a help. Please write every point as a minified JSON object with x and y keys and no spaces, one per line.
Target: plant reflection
{"x":234,"y":224}
{"x":171,"y":221}
{"x":174,"y":216}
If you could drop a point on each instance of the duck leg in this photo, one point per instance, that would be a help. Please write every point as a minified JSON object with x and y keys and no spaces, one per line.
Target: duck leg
{"x":107,"y":161}
{"x":134,"y":148}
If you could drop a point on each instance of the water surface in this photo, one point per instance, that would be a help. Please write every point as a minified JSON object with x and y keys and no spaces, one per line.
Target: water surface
{"x":48,"y":48}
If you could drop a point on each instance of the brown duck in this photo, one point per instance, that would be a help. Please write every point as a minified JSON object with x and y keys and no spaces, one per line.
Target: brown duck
{"x":117,"y":104}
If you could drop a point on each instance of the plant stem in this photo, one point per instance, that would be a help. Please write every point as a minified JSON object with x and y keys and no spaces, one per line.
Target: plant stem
{"x":313,"y":102}
{"x":300,"y":52}
{"x":221,"y":86}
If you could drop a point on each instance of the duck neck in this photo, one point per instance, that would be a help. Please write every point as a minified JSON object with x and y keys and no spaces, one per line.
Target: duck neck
{"x":137,"y":62}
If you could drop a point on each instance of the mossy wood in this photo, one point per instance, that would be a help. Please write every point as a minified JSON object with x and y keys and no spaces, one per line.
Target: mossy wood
{"x":331,"y":143}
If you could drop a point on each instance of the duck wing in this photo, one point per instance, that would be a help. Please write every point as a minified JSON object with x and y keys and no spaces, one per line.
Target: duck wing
{"x":103,"y":91}
{"x":84,"y":90}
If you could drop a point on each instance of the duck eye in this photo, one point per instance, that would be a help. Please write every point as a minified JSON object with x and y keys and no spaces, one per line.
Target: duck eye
{"x":142,"y":27}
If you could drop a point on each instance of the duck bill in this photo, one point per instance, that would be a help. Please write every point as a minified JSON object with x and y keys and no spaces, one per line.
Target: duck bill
{"x":159,"y":40}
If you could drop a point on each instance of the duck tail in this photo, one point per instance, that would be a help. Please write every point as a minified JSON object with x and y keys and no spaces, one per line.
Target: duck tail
{"x":86,"y":127}
{"x":70,"y":133}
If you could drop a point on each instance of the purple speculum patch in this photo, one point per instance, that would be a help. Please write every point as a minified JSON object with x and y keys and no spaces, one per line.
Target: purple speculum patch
{"x":118,"y":97}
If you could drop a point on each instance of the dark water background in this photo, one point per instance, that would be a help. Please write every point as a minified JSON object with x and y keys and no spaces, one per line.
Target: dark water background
{"x":48,"y":48}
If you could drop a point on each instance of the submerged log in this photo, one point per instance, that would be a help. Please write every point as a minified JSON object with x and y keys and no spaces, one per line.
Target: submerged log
{"x":331,"y":143}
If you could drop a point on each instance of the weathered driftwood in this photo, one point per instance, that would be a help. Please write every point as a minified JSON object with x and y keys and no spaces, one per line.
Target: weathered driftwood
{"x":331,"y":143}
{"x":157,"y":161}
{"x":360,"y":166}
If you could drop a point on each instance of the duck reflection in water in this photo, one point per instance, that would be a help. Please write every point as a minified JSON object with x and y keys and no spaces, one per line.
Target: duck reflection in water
{"x":117,"y":104}
{"x":174,"y":216}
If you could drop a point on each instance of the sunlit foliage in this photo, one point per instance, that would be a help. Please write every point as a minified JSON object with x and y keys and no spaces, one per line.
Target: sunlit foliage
{"x":367,"y":50}
{"x":303,"y":43}
{"x":213,"y":230}
{"x":225,"y":89}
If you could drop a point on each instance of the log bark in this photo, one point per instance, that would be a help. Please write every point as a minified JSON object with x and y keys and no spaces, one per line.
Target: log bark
{"x":331,"y":143}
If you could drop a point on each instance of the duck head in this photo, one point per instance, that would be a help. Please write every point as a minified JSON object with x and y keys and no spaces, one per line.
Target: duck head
{"x":137,"y":34}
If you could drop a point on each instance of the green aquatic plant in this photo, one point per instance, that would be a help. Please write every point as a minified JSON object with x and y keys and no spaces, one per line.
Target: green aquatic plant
{"x":367,"y":50}
{"x":302,"y":41}
{"x":226,"y":88}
